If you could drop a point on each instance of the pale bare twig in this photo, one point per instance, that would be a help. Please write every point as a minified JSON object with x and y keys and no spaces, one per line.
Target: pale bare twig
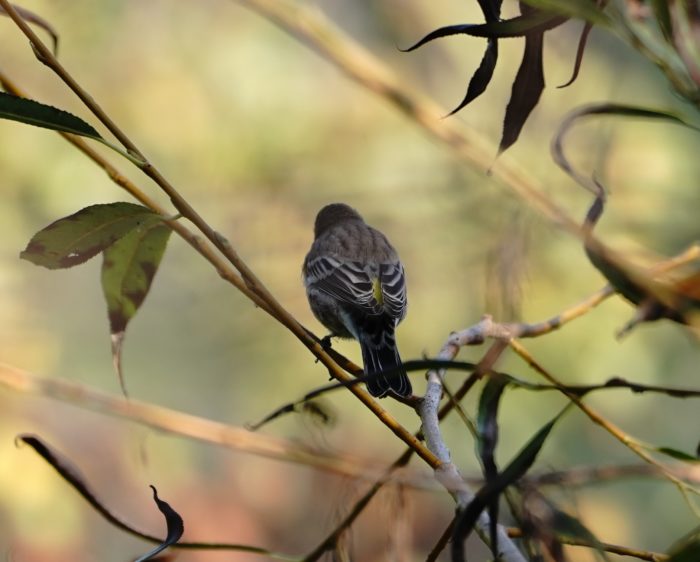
{"x":448,"y":474}
{"x":187,"y":425}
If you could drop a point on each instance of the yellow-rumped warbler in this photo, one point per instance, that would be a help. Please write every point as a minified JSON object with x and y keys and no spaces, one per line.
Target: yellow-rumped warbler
{"x":357,"y":289}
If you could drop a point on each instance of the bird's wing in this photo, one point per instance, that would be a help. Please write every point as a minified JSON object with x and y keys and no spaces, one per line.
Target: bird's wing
{"x":392,"y":281}
{"x":345,"y":280}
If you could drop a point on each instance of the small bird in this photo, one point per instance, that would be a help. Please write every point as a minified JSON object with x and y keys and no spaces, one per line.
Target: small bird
{"x":356,"y":287}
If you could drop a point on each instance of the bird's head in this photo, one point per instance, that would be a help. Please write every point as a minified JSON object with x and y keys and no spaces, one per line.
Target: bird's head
{"x":332,"y":215}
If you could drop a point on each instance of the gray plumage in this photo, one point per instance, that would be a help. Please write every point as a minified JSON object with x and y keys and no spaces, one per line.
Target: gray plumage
{"x":356,"y":287}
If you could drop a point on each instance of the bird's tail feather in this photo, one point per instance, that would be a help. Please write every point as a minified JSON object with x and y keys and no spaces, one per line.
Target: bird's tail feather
{"x":378,"y":356}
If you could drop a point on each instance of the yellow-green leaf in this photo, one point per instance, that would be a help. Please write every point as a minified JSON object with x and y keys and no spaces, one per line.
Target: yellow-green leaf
{"x":74,"y":239}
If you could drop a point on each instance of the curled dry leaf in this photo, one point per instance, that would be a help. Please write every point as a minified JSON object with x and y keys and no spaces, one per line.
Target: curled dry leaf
{"x":31,"y":17}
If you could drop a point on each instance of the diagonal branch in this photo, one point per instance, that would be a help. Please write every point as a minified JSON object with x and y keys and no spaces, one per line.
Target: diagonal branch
{"x":248,"y":282}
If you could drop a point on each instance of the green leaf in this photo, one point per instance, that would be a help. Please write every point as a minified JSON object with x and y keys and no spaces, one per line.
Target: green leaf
{"x":74,"y":239}
{"x":487,"y":423}
{"x":566,"y":525}
{"x":38,"y":114}
{"x":678,"y":455}
{"x":487,"y":426}
{"x":583,"y":9}
{"x":128,"y":269}
{"x":32,"y":112}
{"x":686,"y":549}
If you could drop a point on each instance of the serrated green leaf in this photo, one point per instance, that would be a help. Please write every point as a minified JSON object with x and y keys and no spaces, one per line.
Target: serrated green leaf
{"x":128,"y":269}
{"x":74,"y":239}
{"x":38,"y":114}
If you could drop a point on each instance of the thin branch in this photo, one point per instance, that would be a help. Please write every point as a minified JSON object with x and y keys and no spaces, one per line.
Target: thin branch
{"x":615,"y":382}
{"x":592,"y":475}
{"x":187,"y":425}
{"x":441,"y":542}
{"x":607,"y":547}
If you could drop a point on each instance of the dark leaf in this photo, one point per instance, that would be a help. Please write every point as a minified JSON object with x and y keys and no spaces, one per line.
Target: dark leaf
{"x":515,"y":27}
{"x":565,"y":525}
{"x":487,"y":426}
{"x":482,"y":77}
{"x":37,"y":20}
{"x":77,"y":481}
{"x":128,"y":269}
{"x":74,"y":477}
{"x":174,"y":524}
{"x":587,"y":27}
{"x":491,"y":9}
{"x":467,"y":518}
{"x":545,"y":523}
{"x":687,"y":549}
{"x":447,"y":31}
{"x":604,"y":109}
{"x":526,"y":91}
{"x":663,"y":18}
{"x":678,"y":455}
{"x":487,"y":423}
{"x":677,"y":300}
{"x":75,"y":239}
{"x":34,"y":113}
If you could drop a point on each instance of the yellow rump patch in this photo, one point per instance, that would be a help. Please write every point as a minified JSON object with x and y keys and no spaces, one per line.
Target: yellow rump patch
{"x":377,"y":291}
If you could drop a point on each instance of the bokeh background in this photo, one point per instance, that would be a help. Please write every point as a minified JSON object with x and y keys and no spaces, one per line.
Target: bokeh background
{"x":258,"y":132}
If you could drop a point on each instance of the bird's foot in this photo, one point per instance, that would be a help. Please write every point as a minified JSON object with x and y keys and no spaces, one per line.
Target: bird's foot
{"x":326,"y":345}
{"x":326,"y":342}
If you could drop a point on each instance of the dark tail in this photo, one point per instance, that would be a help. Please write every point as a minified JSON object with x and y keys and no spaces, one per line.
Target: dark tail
{"x":379,"y":353}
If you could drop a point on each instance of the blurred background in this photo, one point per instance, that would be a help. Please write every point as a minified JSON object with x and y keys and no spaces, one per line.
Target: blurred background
{"x":258,"y":132}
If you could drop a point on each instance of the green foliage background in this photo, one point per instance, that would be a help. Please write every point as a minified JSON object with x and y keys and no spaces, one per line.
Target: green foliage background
{"x":259,"y":132}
